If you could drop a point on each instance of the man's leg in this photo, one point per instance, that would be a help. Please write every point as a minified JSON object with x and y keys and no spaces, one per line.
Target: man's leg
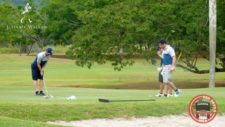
{"x":170,"y":91}
{"x":161,"y":88}
{"x":35,"y":78}
{"x":41,"y":87}
{"x":35,"y":87}
{"x":41,"y":83}
{"x":172,"y":85}
{"x":167,"y":78}
{"x":161,"y":85}
{"x":167,"y":90}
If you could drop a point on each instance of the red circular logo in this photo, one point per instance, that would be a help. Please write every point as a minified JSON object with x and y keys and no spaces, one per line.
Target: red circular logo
{"x":202,"y":108}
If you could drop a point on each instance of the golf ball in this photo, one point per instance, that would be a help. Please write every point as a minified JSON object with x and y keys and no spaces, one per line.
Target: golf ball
{"x":71,"y":97}
{"x":159,"y":69}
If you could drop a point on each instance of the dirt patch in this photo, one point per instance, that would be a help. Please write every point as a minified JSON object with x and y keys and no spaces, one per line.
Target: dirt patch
{"x":60,"y":56}
{"x":150,"y":85}
{"x":172,"y":121}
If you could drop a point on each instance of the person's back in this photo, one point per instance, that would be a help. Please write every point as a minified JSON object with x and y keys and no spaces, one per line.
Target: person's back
{"x":40,"y":57}
{"x":168,"y":54}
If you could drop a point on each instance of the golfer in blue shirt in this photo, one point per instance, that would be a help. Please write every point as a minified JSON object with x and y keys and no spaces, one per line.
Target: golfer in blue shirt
{"x":168,"y":65}
{"x":37,"y":68}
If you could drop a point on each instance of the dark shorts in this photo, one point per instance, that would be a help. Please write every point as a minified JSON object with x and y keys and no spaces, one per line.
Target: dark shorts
{"x":35,"y":73}
{"x":160,"y":77}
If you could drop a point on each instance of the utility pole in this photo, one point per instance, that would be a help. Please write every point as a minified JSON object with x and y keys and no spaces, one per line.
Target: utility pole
{"x":212,"y":41}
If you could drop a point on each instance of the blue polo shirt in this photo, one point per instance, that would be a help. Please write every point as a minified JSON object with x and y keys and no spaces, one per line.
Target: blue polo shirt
{"x":41,"y":57}
{"x":167,"y":55}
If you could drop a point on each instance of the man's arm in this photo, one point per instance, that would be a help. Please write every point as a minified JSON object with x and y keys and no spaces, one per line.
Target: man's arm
{"x":39,"y":67}
{"x":159,"y":53}
{"x":172,"y":54}
{"x":174,"y":61}
{"x":39,"y":59}
{"x":44,"y":66}
{"x":173,"y":68}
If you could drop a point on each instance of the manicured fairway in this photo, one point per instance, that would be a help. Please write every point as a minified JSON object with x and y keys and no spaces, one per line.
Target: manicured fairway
{"x":15,"y":71}
{"x":19,"y":106}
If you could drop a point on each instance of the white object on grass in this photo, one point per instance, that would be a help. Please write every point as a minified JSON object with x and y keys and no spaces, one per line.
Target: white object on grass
{"x":159,"y":69}
{"x":49,"y":96}
{"x":71,"y":97}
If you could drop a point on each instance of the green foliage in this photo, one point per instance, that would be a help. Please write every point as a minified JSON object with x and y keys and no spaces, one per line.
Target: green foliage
{"x":118,"y":30}
{"x":9,"y":16}
{"x":221,"y":27}
{"x":62,"y":21}
{"x":134,"y":27}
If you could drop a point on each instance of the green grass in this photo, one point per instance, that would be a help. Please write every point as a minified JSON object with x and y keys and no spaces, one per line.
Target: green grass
{"x":58,"y":48}
{"x":8,"y":50}
{"x":18,"y":104}
{"x":62,"y":72}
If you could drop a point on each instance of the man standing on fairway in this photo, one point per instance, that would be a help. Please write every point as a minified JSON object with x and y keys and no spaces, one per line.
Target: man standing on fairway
{"x":168,"y":65}
{"x":37,"y":68}
{"x":161,"y":85}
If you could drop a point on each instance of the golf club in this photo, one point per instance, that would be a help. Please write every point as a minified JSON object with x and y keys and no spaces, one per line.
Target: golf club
{"x":47,"y":96}
{"x":108,"y":100}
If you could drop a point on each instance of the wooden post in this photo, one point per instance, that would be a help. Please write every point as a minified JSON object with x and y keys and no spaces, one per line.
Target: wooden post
{"x":212,"y":41}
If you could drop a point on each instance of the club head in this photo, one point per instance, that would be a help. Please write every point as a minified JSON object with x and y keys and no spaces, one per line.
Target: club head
{"x":48,"y":96}
{"x":104,"y":100}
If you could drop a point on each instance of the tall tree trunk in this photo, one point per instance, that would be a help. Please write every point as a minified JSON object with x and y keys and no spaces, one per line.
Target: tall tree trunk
{"x":212,"y":41}
{"x":28,"y":53}
{"x":20,"y":52}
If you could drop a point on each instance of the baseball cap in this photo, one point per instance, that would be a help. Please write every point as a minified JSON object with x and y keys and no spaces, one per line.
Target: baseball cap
{"x":162,"y":41}
{"x":50,"y":51}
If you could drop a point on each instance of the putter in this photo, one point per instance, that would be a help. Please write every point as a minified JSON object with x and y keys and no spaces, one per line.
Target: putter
{"x":108,"y":100}
{"x":47,"y":96}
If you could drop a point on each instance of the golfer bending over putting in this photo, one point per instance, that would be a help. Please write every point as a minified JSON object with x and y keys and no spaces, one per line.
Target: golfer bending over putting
{"x":37,"y":68}
{"x":168,"y":65}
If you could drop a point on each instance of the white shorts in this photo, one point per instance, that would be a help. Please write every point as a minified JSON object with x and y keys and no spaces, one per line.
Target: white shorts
{"x":167,"y":73}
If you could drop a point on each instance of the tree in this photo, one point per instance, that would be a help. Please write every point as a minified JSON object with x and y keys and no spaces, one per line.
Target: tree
{"x":127,"y":29}
{"x":62,"y":22}
{"x":8,"y":20}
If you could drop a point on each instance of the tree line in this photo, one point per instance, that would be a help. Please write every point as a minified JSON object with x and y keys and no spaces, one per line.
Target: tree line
{"x":118,"y":30}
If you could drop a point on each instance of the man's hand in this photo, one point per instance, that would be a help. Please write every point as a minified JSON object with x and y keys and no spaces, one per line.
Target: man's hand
{"x":159,"y":54}
{"x":173,"y":68}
